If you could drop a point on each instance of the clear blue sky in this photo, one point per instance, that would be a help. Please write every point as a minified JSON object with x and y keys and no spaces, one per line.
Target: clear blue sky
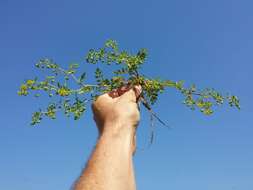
{"x":209,"y":43}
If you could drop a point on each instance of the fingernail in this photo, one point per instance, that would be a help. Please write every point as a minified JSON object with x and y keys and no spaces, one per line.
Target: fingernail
{"x":138,"y":88}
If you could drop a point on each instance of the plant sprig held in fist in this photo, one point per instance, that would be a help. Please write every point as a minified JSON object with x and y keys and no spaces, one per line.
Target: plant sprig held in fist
{"x":72,"y":98}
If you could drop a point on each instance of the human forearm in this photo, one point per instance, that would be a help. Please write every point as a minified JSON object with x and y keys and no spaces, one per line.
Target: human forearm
{"x":110,"y":166}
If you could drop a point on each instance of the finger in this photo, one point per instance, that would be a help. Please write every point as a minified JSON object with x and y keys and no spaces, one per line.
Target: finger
{"x":119,"y":91}
{"x":138,"y":91}
{"x":132,"y":94}
{"x":123,"y":89}
{"x":114,"y":93}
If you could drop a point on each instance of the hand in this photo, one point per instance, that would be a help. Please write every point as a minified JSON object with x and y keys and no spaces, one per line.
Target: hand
{"x":117,"y":110}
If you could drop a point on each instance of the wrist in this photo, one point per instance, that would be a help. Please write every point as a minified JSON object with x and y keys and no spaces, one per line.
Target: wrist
{"x":119,"y":128}
{"x":119,"y":135}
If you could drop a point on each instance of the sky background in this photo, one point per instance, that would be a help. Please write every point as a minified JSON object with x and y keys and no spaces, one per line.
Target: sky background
{"x":208,"y":43}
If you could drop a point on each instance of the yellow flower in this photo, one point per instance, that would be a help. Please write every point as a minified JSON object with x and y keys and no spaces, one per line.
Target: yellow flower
{"x":30,"y":82}
{"x":63,"y":91}
{"x":23,"y":87}
{"x":23,"y":90}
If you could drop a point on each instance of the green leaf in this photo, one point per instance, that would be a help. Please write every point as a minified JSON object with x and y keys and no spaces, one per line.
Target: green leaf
{"x":82,"y":77}
{"x":36,"y":117}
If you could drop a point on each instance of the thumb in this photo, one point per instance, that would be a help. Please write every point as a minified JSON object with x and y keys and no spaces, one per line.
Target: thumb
{"x":132,"y":94}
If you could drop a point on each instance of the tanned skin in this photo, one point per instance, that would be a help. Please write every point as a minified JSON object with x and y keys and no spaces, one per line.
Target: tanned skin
{"x":110,"y":166}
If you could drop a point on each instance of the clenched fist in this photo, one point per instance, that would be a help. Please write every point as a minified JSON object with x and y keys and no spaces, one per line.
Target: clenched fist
{"x":117,"y":110}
